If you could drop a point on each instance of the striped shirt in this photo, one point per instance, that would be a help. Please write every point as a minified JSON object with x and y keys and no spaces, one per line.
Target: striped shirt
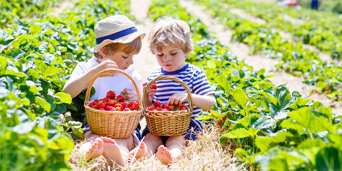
{"x":191,"y":75}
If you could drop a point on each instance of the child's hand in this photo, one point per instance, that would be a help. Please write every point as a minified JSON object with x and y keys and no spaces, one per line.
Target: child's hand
{"x":150,"y":93}
{"x":105,"y":64}
{"x":178,"y":99}
{"x":130,"y":96}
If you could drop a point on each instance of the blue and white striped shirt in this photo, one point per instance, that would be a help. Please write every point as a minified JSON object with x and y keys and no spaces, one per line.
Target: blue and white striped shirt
{"x":191,"y":75}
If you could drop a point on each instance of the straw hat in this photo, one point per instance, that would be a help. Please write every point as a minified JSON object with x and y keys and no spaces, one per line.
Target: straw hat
{"x":115,"y":29}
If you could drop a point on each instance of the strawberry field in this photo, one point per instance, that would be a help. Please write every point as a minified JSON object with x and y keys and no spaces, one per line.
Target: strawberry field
{"x":264,"y":126}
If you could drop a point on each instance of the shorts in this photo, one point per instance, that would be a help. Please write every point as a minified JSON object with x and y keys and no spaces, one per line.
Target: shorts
{"x":195,"y":127}
{"x":136,"y":133}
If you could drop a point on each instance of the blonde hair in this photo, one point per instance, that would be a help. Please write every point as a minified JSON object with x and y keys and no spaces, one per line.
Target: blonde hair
{"x":172,"y":32}
{"x":129,"y":48}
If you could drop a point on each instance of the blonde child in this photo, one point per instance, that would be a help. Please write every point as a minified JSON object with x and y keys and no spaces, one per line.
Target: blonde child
{"x":117,"y":42}
{"x":171,"y":43}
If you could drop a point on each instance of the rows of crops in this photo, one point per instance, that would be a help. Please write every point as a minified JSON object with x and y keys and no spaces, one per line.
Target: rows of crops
{"x":275,"y":129}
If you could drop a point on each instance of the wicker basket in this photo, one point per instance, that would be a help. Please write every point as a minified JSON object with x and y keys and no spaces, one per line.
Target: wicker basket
{"x":168,"y":123}
{"x":113,"y":124}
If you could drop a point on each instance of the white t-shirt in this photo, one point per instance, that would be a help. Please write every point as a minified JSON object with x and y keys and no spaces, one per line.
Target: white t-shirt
{"x":103,"y":84}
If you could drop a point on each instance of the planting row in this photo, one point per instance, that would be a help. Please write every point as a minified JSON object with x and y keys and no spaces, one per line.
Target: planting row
{"x":293,"y":57}
{"x":36,"y":59}
{"x":323,"y":33}
{"x":275,"y":129}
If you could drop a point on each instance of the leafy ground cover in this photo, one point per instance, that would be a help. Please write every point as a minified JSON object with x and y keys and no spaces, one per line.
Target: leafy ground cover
{"x":293,"y":57}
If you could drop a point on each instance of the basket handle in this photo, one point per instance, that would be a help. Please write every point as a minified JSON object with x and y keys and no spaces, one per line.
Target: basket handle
{"x":164,"y":77}
{"x":86,"y":101}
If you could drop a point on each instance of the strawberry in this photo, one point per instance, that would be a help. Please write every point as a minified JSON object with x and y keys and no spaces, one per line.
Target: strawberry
{"x":105,"y":99}
{"x":101,"y":105}
{"x":183,"y":108}
{"x":133,"y":105}
{"x":124,"y":105}
{"x":151,"y":108}
{"x":224,"y":118}
{"x":166,"y":106}
{"x":119,"y":108}
{"x":156,"y":104}
{"x":110,"y":94}
{"x":108,"y":107}
{"x":126,"y":109}
{"x":101,"y":109}
{"x":111,"y":102}
{"x":159,"y":109}
{"x":112,"y":108}
{"x":118,"y":105}
{"x":165,"y":110}
{"x":120,"y":98}
{"x":219,"y":124}
{"x":154,"y":86}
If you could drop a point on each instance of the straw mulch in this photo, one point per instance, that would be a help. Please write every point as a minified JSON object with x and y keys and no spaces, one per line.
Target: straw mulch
{"x":203,"y":154}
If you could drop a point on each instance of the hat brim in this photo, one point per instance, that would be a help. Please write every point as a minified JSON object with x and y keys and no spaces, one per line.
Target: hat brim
{"x":125,"y":39}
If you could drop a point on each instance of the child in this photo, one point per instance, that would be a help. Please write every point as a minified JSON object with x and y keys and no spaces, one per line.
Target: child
{"x":170,"y":41}
{"x":117,"y":42}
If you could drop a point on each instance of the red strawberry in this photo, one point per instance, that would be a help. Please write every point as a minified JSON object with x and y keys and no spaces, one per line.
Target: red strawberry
{"x":224,"y":118}
{"x":108,"y":107}
{"x":124,"y":105}
{"x":105,"y":99}
{"x":110,"y":94}
{"x":156,"y":104}
{"x":111,"y":102}
{"x":166,"y":106}
{"x":120,"y":98}
{"x":101,"y":105}
{"x":165,"y":110}
{"x":133,"y":105}
{"x":118,"y":105}
{"x":151,"y":108}
{"x":126,"y":109}
{"x":159,"y":108}
{"x":154,"y":86}
{"x":219,"y":124}
{"x":119,"y":108}
{"x":183,"y":108}
{"x":112,"y":108}
{"x":101,"y":109}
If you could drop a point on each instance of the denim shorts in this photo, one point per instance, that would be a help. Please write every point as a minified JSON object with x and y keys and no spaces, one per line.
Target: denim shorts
{"x":195,"y":127}
{"x":136,"y":133}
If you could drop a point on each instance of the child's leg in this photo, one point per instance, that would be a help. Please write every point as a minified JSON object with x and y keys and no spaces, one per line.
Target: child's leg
{"x":93,"y":147}
{"x":152,"y":142}
{"x":117,"y":150}
{"x":173,"y":149}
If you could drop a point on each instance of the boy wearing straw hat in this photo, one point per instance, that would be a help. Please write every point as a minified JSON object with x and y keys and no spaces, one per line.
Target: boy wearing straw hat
{"x":171,"y":43}
{"x":117,"y":42}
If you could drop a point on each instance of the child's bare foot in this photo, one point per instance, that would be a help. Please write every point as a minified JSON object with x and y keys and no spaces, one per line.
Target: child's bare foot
{"x":164,"y":155}
{"x":95,"y":150}
{"x":138,"y":151}
{"x":111,"y":151}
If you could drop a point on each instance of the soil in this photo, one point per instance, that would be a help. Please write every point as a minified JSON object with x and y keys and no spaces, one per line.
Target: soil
{"x":66,"y":4}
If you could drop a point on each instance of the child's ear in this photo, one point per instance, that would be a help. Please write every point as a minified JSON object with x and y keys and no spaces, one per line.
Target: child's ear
{"x":103,"y":52}
{"x":187,"y":54}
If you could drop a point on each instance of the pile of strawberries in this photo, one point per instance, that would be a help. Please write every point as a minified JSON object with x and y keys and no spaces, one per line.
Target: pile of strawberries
{"x":157,"y":106}
{"x":110,"y":103}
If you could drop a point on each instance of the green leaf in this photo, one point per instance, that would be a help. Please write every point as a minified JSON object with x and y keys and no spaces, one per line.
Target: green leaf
{"x":263,"y":143}
{"x":35,"y":29}
{"x":240,"y":97}
{"x":329,"y":158}
{"x":46,"y":106}
{"x":64,"y":97}
{"x":241,"y":133}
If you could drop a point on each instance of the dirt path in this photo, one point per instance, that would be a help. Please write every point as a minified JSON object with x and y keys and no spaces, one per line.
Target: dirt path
{"x":145,"y":62}
{"x":256,"y":61}
{"x":66,"y":4}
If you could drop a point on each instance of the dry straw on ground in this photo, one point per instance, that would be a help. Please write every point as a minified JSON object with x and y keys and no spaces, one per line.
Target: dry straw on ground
{"x":203,"y":154}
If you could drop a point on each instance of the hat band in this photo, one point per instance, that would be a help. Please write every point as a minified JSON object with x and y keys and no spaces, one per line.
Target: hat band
{"x":117,"y":35}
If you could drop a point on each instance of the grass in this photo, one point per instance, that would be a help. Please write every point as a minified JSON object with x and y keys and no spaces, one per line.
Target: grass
{"x":203,"y":154}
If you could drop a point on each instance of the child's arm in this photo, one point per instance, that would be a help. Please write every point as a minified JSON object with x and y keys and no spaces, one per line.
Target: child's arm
{"x":75,"y":86}
{"x":202,"y":101}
